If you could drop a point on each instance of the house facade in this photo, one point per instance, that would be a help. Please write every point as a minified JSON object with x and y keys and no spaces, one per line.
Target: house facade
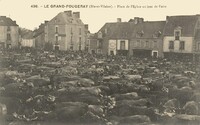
{"x":133,"y":38}
{"x":113,"y":38}
{"x":40,"y":37}
{"x":146,"y":40}
{"x":66,"y":31}
{"x":27,"y":40}
{"x":9,"y":33}
{"x":180,"y":39}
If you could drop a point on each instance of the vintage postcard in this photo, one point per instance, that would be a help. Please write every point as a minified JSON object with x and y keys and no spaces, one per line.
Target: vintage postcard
{"x":99,"y":62}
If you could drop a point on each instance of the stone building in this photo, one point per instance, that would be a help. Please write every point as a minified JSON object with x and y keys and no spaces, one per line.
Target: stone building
{"x":113,"y":38}
{"x":181,"y":36}
{"x":146,"y":39}
{"x":9,"y":33}
{"x":27,"y":39}
{"x":66,"y":31}
{"x":133,"y":38}
{"x":39,"y":37}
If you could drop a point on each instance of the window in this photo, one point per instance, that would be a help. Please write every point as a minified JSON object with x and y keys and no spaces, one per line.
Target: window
{"x":106,"y":31}
{"x":142,"y":43}
{"x":171,"y":44}
{"x":99,"y":51}
{"x":155,"y":44}
{"x":198,"y":46}
{"x":71,"y":38}
{"x":8,"y":36}
{"x":122,"y":45}
{"x":71,"y":20}
{"x":56,"y":29}
{"x":79,"y":31}
{"x":79,"y":43}
{"x":71,"y":47}
{"x":182,"y":45}
{"x":138,"y":43}
{"x":79,"y":40}
{"x":79,"y":46}
{"x":140,"y":34}
{"x":147,"y":44}
{"x":71,"y":31}
{"x":56,"y":38}
{"x":177,"y":35}
{"x":99,"y":44}
{"x":100,"y":34}
{"x":8,"y":29}
{"x":45,"y":37}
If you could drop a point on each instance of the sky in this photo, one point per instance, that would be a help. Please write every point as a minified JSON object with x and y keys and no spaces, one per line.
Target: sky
{"x":151,"y":10}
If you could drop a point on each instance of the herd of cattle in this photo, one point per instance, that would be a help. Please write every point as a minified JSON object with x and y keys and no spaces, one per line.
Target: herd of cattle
{"x":75,"y":88}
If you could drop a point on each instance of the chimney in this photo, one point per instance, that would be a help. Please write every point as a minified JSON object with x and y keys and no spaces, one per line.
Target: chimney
{"x":140,"y":20}
{"x":167,"y":19}
{"x":198,"y":16}
{"x":119,"y":20}
{"x":41,"y":25}
{"x":86,"y":26}
{"x":136,"y":20}
{"x":76,"y":14}
{"x":69,"y":13}
{"x":46,"y":21}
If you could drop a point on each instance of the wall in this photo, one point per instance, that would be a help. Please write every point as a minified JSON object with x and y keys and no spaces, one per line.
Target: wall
{"x":64,"y":34}
{"x":75,"y":36}
{"x":40,"y":41}
{"x":28,"y":43}
{"x":188,"y":44}
{"x":14,"y":35}
{"x":92,"y":45}
{"x":158,"y":47}
{"x":51,"y":31}
{"x":112,"y":47}
{"x":126,"y":44}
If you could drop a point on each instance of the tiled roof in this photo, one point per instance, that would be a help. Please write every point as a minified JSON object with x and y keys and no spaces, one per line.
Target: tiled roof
{"x":117,"y":30}
{"x":28,"y":35}
{"x":38,"y":31}
{"x":149,"y":29}
{"x":187,"y":24}
{"x":6,"y":21}
{"x":65,"y":18}
{"x":197,"y":35}
{"x":128,"y":30}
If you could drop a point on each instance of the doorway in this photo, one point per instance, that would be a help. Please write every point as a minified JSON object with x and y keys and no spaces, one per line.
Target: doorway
{"x":57,"y":47}
{"x":155,"y":54}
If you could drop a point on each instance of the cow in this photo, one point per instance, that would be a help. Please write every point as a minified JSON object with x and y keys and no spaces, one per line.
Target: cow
{"x":191,"y":108}
{"x":126,"y":96}
{"x":129,"y":120}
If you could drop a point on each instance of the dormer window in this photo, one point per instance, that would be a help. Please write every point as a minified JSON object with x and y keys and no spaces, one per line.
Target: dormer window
{"x":55,"y":21}
{"x":177,"y":33}
{"x":106,"y":31}
{"x":71,"y":20}
{"x":71,"y":31}
{"x":140,"y":34}
{"x":8,"y":29}
{"x":182,"y":45}
{"x":100,"y":34}
{"x":56,"y":29}
{"x":171,"y":45}
{"x":157,"y":34}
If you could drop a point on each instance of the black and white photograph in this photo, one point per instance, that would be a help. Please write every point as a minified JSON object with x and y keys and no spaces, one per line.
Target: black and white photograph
{"x":99,"y":62}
